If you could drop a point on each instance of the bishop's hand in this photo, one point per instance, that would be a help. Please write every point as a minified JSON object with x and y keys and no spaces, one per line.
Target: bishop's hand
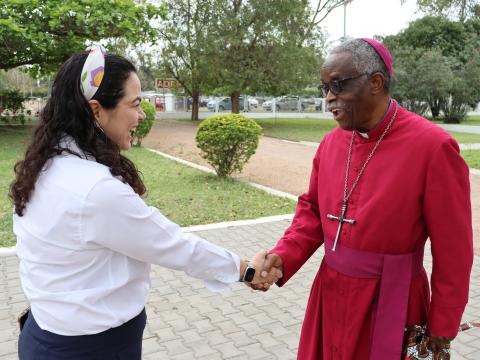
{"x":263,"y":279}
{"x":440,"y":346}
{"x":271,"y":268}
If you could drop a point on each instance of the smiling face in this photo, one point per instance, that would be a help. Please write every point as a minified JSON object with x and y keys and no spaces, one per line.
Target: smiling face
{"x":352,"y":106}
{"x":120,"y":123}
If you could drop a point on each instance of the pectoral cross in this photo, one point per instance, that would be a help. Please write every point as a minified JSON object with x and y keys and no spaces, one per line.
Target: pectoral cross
{"x":341,"y":219}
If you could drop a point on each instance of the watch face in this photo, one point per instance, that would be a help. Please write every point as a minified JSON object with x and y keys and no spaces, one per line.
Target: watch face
{"x":249,"y":274}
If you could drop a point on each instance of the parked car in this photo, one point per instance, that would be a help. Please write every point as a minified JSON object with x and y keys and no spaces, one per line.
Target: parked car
{"x":224,"y":104}
{"x":288,"y":103}
{"x":252,"y":102}
{"x":267,"y":105}
{"x":203,"y":101}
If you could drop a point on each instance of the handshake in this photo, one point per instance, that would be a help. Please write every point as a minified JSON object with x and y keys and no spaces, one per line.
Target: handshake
{"x":268,"y":270}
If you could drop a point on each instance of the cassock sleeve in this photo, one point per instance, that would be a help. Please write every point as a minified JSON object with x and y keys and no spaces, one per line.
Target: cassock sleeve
{"x":448,"y":216}
{"x":305,"y":234}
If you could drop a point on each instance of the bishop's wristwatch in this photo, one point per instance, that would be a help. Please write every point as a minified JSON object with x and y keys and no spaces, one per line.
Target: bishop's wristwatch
{"x":248,"y":274}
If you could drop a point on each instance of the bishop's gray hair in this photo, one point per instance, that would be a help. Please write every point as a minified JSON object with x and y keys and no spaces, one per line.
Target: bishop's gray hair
{"x":365,"y":59}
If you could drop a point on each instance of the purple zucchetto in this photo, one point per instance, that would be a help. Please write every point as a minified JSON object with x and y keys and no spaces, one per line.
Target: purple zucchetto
{"x":383,"y":52}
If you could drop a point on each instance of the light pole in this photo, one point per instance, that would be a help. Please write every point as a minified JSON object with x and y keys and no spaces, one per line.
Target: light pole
{"x":345,"y":18}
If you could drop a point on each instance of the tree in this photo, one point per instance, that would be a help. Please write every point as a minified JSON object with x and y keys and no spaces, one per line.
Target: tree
{"x":45,"y":33}
{"x":262,"y":39}
{"x":235,"y":46}
{"x":188,"y":55}
{"x":436,"y":65}
{"x":17,"y":79}
{"x":464,"y":90}
{"x":460,"y":9}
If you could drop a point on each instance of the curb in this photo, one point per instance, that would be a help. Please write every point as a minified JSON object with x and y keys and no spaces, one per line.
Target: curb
{"x":208,"y":170}
{"x":6,"y":252}
{"x":227,"y":224}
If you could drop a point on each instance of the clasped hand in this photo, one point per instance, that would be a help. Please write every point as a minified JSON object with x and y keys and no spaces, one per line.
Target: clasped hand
{"x":268,"y":270}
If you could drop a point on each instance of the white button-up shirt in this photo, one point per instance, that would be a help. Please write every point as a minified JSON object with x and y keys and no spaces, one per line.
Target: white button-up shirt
{"x":85,"y":244}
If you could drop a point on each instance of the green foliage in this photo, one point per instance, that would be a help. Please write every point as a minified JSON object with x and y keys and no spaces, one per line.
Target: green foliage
{"x":243,"y":47}
{"x":461,"y":9}
{"x":146,"y":124}
{"x":12,"y":101}
{"x":258,"y":41}
{"x":437,"y":67}
{"x":46,"y":33}
{"x":228,"y":141}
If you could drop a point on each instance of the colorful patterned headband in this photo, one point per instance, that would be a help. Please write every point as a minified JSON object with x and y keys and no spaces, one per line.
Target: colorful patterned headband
{"x":92,"y":71}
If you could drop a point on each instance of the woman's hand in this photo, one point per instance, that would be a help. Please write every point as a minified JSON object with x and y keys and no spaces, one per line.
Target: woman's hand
{"x":268,"y":270}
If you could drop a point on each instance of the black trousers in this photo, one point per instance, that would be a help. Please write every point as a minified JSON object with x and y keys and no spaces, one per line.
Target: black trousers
{"x":120,"y":343}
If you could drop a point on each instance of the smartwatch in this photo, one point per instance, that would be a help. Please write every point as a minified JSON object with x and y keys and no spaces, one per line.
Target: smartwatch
{"x":248,"y":274}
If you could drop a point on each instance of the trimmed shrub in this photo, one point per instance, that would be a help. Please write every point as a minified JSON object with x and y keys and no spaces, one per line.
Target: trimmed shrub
{"x":146,"y":124}
{"x":11,"y":100}
{"x":228,"y":141}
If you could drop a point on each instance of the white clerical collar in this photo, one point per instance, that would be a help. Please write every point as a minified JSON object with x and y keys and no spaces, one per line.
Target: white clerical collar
{"x":364,"y":135}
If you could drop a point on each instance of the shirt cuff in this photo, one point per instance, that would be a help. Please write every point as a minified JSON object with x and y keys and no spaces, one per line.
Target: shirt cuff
{"x":223,"y":280}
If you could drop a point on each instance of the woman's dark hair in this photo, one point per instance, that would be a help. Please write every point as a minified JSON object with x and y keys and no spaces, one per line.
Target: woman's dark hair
{"x":67,"y":112}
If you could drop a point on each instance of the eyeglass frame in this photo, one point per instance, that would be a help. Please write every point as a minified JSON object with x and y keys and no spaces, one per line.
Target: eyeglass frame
{"x":340,"y":84}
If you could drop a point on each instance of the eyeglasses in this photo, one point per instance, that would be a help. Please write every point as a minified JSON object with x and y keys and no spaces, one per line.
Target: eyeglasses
{"x":337,"y":86}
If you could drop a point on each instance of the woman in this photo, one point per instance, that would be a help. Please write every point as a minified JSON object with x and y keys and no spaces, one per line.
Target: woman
{"x":85,"y":238}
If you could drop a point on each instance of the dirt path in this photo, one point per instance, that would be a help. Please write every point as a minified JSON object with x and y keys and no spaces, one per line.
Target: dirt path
{"x":279,"y":164}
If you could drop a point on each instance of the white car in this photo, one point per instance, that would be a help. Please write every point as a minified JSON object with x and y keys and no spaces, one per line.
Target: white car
{"x":252,"y":102}
{"x":267,"y":105}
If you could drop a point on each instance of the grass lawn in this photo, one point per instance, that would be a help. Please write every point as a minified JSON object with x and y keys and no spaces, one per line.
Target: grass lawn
{"x":472,"y":120}
{"x":465,"y":138}
{"x":472,"y":157}
{"x":185,"y":195}
{"x":11,"y":149}
{"x":296,"y":129}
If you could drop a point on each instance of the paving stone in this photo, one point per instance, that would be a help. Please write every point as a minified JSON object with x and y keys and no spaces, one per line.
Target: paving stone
{"x":186,"y":321}
{"x":201,"y":348}
{"x":256,"y":351}
{"x":176,"y":347}
{"x":150,"y":345}
{"x":8,"y":348}
{"x":229,"y":350}
{"x":242,"y":338}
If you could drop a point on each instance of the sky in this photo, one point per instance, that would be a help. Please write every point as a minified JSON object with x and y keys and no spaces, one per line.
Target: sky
{"x":366,"y":18}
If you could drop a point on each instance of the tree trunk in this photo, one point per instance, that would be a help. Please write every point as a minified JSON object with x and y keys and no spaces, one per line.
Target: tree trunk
{"x":235,"y":98}
{"x":435,"y":108}
{"x":195,"y":105}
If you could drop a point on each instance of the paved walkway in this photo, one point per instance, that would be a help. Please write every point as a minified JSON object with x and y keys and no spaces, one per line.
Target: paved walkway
{"x":186,"y":321}
{"x":470,"y":129}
